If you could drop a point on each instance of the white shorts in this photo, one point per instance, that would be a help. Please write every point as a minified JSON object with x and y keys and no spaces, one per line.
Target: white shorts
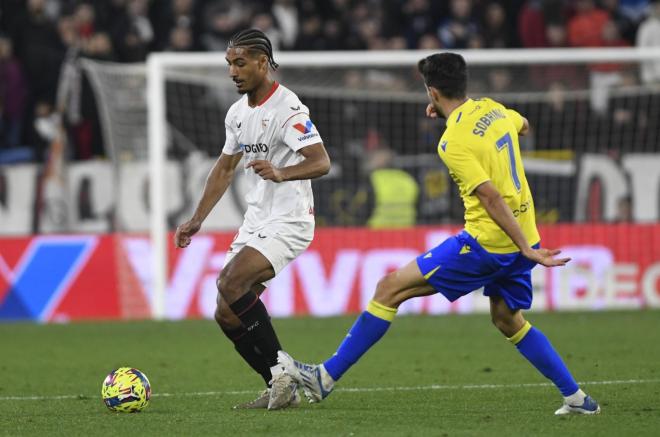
{"x":280,"y":243}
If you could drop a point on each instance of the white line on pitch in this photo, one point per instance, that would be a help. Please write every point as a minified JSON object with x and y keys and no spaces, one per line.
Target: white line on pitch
{"x":354,"y":389}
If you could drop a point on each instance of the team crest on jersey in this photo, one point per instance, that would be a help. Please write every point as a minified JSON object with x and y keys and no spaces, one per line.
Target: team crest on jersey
{"x":264,"y":122}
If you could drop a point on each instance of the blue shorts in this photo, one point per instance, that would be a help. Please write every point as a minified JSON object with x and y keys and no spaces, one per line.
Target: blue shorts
{"x":460,"y":265}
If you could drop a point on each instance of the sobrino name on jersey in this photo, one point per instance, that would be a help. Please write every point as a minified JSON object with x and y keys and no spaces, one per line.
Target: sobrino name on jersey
{"x":255,"y":148}
{"x":484,"y":122}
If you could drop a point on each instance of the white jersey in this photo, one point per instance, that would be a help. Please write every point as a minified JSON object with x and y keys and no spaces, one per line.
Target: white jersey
{"x":274,"y":130}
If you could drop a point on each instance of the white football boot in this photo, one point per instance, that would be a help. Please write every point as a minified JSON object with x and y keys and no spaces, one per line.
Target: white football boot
{"x":589,"y":406}
{"x":316,"y":381}
{"x":283,"y":392}
{"x":262,"y":401}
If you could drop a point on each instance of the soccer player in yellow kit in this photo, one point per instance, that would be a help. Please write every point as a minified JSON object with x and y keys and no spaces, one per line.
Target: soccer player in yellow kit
{"x":497,"y":249}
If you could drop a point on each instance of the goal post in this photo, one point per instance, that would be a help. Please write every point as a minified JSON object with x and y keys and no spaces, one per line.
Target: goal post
{"x":362,"y":100}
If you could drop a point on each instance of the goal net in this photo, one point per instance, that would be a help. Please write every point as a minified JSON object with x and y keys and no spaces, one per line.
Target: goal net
{"x":591,"y":156}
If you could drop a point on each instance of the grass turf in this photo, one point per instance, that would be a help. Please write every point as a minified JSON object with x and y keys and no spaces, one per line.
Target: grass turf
{"x":190,"y":359}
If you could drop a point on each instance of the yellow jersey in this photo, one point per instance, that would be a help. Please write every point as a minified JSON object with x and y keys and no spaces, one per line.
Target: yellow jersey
{"x":480,"y":144}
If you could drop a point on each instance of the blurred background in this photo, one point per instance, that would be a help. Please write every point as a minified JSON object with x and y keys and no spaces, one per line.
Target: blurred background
{"x":74,"y":157}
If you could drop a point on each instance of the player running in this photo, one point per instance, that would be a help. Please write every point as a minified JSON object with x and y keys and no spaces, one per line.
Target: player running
{"x":283,"y":151}
{"x":497,"y":249}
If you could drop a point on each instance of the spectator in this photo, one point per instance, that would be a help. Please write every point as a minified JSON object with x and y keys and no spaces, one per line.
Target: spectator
{"x":109,"y":12}
{"x":332,"y":35}
{"x":181,"y":40}
{"x":266,"y":24}
{"x":417,"y":20}
{"x":625,"y":25}
{"x":592,"y":27}
{"x":178,"y":14}
{"x":75,"y":98}
{"x":13,"y":93}
{"x":221,"y":24}
{"x":84,"y":20}
{"x":310,"y":36}
{"x":587,"y":26}
{"x":499,"y":80}
{"x":286,"y":16}
{"x":37,"y":46}
{"x":369,"y":32}
{"x":45,"y":128}
{"x":429,"y":42}
{"x":568,"y":75}
{"x":495,"y":28}
{"x":133,"y":33}
{"x":635,"y":9}
{"x":649,"y":36}
{"x":457,"y":31}
{"x":531,"y":25}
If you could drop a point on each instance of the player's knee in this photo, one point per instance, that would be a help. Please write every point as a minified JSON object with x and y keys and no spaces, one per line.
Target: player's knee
{"x":228,"y":286}
{"x":386,"y":291}
{"x":225,"y":317}
{"x":499,"y":322}
{"x":508,"y":324}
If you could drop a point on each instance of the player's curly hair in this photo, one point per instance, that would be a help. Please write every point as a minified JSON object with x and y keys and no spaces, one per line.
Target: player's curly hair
{"x":446,"y":72}
{"x":254,"y":39}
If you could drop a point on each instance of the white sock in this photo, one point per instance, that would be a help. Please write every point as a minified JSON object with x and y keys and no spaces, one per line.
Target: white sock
{"x":576,"y":398}
{"x":277,"y":369}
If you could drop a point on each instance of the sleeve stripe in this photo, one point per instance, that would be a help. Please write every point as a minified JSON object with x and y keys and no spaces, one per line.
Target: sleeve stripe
{"x":297,"y":113}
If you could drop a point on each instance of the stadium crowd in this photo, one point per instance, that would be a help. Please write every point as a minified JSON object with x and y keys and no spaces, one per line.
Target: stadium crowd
{"x":41,"y":41}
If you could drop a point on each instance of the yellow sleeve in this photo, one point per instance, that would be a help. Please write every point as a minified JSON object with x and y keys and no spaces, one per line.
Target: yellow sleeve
{"x":516,"y":118}
{"x":463,"y":165}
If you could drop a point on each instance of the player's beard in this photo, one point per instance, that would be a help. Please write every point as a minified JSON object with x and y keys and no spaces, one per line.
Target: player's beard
{"x":438,"y":110}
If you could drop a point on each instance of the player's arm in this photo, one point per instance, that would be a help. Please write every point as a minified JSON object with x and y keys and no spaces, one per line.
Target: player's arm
{"x":520,"y":122}
{"x":501,"y":214}
{"x":315,"y":164}
{"x":525,"y":127}
{"x":217,"y":182}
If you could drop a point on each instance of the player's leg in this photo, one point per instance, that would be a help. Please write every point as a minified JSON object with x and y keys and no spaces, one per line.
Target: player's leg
{"x":235,"y":285}
{"x":234,"y":330}
{"x":391,"y":291}
{"x":538,"y":350}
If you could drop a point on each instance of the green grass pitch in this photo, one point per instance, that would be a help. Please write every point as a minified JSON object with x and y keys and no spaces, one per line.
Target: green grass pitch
{"x":440,"y":376}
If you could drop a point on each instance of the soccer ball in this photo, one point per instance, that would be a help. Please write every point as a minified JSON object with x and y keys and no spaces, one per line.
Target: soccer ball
{"x":126,"y":390}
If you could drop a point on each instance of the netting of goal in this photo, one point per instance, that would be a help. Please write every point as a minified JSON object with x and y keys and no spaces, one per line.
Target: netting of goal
{"x":595,"y":136}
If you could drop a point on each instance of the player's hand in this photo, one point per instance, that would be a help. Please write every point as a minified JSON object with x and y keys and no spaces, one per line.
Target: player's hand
{"x":546,"y":257}
{"x":431,"y":112}
{"x":185,"y":231}
{"x":266,"y":170}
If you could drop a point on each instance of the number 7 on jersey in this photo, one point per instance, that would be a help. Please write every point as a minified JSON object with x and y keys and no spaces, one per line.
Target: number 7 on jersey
{"x":507,"y":142}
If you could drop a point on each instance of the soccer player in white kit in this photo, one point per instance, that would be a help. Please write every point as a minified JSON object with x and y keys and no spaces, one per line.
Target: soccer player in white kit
{"x":271,"y":128}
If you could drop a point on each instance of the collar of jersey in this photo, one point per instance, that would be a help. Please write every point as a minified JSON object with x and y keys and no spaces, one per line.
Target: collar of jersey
{"x":272,"y":90}
{"x":456,"y":113}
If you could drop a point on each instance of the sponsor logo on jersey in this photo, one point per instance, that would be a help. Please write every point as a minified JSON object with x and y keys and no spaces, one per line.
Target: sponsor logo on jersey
{"x":443,"y":146}
{"x":295,"y":108}
{"x":238,"y":124}
{"x":305,"y":129}
{"x":255,"y":148}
